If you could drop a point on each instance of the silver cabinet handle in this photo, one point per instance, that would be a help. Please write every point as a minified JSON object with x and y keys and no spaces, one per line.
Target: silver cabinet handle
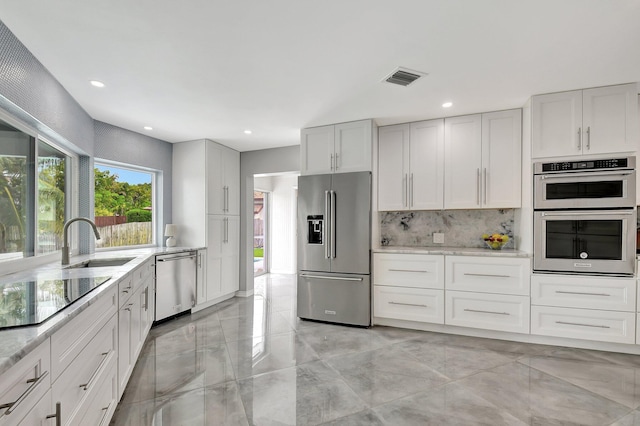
{"x":337,"y":161}
{"x":226,"y":229}
{"x":146,"y":298}
{"x":487,"y":312}
{"x":57,"y":415}
{"x":408,"y":304}
{"x":331,"y":162}
{"x":582,"y":325}
{"x":85,"y":386}
{"x":588,"y":137}
{"x":487,"y":275}
{"x":408,"y":270}
{"x":478,"y":188}
{"x":11,"y":406}
{"x":405,"y":191}
{"x":411,"y":190}
{"x":104,"y":416}
{"x":579,"y":138}
{"x":324,"y":277}
{"x":199,"y":260}
{"x":484,"y":173}
{"x":581,"y":293}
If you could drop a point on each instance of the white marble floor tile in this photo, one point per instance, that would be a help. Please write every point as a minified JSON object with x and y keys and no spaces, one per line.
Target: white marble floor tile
{"x":332,"y":340}
{"x":257,"y":324}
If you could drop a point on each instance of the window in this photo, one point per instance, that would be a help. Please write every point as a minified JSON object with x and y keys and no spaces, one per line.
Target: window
{"x":124,"y":211}
{"x":34,"y":185}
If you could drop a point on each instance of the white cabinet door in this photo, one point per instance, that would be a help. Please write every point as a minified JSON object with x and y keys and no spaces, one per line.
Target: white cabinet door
{"x":317,"y":150}
{"x":410,"y":304}
{"x":215,"y":192}
{"x":489,"y":311}
{"x":230,"y":271}
{"x":426,"y":165}
{"x":556,"y":124}
{"x":39,"y":414}
{"x":352,"y":146}
{"x":462,"y":153}
{"x":488,"y":274}
{"x":392,"y":178}
{"x":408,"y":270}
{"x":610,"y":119}
{"x":232,"y":181}
{"x":231,"y":236}
{"x":501,"y":159}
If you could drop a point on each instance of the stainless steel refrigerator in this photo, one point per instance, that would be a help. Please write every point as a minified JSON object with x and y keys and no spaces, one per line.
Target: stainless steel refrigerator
{"x":334,"y":248}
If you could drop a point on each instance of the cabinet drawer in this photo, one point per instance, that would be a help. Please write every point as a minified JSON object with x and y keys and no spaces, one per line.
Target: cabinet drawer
{"x":489,"y":311}
{"x":488,"y":274}
{"x":616,"y":294}
{"x":125,"y":289}
{"x":588,"y":324}
{"x":408,"y":270}
{"x":69,"y":341}
{"x":24,"y":384}
{"x":411,"y":304}
{"x":142,"y":271}
{"x":78,"y":384}
{"x":100,"y":409}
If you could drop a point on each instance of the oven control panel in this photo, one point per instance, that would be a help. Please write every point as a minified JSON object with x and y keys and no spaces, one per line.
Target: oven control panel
{"x":571,"y":166}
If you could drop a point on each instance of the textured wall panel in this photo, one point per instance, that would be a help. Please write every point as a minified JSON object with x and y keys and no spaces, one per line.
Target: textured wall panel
{"x":25,"y":82}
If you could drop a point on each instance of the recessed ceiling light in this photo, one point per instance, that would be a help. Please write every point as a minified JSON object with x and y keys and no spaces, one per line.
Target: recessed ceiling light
{"x":248,"y":132}
{"x":97,"y":83}
{"x":148,"y":128}
{"x":447,"y":105}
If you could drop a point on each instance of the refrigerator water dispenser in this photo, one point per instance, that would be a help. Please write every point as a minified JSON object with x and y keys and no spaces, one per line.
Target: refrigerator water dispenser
{"x":315,"y":226}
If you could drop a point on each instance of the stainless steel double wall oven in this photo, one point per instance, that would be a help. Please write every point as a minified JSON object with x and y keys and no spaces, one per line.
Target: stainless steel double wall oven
{"x":585,"y":216}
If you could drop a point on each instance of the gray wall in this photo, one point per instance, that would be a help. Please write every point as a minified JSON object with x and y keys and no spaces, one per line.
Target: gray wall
{"x":274,"y":160}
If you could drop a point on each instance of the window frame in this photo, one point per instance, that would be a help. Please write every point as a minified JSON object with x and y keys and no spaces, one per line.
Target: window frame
{"x":71,"y":196}
{"x":156,"y":202}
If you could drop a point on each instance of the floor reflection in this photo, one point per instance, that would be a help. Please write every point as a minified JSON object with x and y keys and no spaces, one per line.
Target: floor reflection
{"x":252,"y":361}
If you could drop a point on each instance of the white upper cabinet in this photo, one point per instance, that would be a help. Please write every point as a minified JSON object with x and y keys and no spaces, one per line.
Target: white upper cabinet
{"x":411,"y":167}
{"x":339,"y":148}
{"x":592,"y":121}
{"x":463,"y":162}
{"x":223,"y":180}
{"x":502,"y":159}
{"x":483,"y":160}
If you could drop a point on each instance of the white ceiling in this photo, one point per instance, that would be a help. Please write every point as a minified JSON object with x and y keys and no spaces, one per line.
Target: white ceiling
{"x":211,"y":68}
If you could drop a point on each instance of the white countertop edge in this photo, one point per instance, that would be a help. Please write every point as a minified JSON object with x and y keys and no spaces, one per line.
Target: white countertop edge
{"x":458,"y":251}
{"x":16,"y":343}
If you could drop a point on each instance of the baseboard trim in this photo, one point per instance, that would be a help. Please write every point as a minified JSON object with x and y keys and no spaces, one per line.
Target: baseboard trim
{"x":244,"y":293}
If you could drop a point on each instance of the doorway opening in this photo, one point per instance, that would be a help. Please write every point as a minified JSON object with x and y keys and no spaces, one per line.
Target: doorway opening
{"x":260,"y":232}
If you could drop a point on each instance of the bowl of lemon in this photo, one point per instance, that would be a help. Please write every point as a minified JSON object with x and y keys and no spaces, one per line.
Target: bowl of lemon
{"x":495,"y":241}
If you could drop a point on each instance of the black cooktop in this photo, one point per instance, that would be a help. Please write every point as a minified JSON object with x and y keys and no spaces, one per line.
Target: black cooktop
{"x":33,"y":302}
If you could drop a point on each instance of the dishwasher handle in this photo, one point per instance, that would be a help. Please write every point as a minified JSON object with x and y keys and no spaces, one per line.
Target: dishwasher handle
{"x":172,"y":258}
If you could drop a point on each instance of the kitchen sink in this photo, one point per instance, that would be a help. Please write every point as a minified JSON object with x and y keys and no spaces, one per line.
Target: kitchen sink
{"x":100,"y":263}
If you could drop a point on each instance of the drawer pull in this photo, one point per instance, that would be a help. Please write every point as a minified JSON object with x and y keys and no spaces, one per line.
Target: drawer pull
{"x":487,"y":312}
{"x":582,"y":325}
{"x":104,"y":416}
{"x":57,"y":415}
{"x":408,"y":270}
{"x":408,"y":304}
{"x":10,"y":406}
{"x":585,"y":294}
{"x":95,"y":373}
{"x":487,"y":275}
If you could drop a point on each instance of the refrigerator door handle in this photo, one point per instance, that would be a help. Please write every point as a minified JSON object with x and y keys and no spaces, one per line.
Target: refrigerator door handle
{"x":325,"y":277}
{"x":333,"y":224}
{"x":327,"y":219}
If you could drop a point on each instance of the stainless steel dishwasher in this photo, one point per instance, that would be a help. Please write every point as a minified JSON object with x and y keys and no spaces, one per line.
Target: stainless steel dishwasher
{"x":175,"y":283}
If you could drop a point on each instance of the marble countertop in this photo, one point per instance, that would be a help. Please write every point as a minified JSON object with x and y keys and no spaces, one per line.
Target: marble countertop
{"x":15,"y":343}
{"x":458,"y":251}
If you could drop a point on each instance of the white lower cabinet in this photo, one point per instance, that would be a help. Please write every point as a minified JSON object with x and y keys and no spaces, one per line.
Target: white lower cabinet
{"x":588,"y":324}
{"x":99,"y":410}
{"x":488,"y":311}
{"x":488,"y":274}
{"x":408,"y":270}
{"x":410,"y":304}
{"x":24,"y":385}
{"x":41,"y":414}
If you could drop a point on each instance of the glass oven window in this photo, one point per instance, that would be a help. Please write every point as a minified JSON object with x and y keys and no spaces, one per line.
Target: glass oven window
{"x":571,"y":239}
{"x":573,"y":190}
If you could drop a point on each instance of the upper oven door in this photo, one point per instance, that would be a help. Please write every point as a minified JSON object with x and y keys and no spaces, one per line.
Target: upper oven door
{"x":585,"y":190}
{"x":585,"y":241}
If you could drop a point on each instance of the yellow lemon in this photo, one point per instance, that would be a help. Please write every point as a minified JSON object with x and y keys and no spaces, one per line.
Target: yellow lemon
{"x":505,"y":238}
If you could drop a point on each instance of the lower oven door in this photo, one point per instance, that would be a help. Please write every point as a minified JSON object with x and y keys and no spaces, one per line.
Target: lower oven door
{"x":585,"y":241}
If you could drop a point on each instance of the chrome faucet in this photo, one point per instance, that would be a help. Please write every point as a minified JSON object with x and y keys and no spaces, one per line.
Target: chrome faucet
{"x":65,"y":244}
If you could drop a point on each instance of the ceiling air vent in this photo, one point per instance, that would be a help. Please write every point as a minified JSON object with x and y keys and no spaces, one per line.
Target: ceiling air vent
{"x":404,"y":77}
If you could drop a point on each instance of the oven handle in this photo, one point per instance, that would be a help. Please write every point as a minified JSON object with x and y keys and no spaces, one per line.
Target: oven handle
{"x":591,"y":174}
{"x":587,"y":213}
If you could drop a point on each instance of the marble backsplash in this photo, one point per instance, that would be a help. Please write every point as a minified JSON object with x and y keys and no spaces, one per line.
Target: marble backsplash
{"x":461,"y":228}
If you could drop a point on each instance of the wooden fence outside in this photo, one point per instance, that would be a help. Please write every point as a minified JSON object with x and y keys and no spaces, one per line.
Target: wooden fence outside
{"x":125,"y":234}
{"x":109,"y":220}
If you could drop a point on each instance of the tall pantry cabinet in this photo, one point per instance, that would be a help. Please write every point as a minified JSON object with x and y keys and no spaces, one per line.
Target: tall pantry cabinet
{"x":206,"y":208}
